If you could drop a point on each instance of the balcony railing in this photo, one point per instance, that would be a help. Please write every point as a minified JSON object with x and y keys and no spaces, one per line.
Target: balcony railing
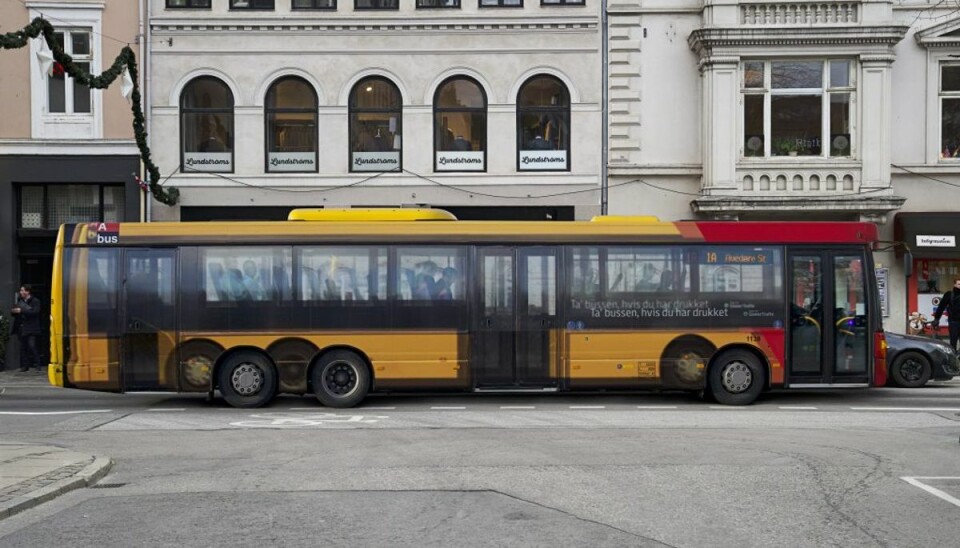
{"x":799,"y":13}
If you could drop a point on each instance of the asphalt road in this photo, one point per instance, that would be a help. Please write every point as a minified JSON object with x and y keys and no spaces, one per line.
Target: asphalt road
{"x":874,"y":467}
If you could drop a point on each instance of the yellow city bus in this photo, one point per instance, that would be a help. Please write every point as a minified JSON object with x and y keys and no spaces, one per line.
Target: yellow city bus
{"x":342,"y":303}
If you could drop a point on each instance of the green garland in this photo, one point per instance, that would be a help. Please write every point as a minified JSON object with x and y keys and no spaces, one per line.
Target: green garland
{"x":126,"y":59}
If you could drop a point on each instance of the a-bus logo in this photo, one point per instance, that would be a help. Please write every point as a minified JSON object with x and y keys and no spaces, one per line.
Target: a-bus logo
{"x":105,"y":233}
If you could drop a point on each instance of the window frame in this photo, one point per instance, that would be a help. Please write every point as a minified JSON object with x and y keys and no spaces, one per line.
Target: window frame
{"x":460,"y":110}
{"x":941,"y":97}
{"x":45,"y":203}
{"x":395,"y":7}
{"x":313,"y":6}
{"x":825,"y":92}
{"x":251,"y":5}
{"x":190,"y":5}
{"x":455,"y":5}
{"x":212,"y":111}
{"x":352,"y":109}
{"x":499,"y":4}
{"x":562,"y":110}
{"x":267,"y":111}
{"x":562,"y":3}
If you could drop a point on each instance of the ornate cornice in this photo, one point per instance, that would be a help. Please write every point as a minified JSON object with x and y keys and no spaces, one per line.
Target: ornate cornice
{"x":204,"y":26}
{"x":934,"y":35}
{"x":733,"y":205}
{"x":703,"y":41}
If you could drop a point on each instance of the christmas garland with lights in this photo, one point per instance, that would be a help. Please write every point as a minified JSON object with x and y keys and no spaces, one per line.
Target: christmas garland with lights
{"x":126,"y":60}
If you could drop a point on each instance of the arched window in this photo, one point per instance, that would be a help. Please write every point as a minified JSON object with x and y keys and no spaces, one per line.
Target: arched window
{"x":543,"y":125}
{"x":206,"y":126}
{"x":291,"y":123}
{"x":375,"y":125}
{"x":460,"y":126}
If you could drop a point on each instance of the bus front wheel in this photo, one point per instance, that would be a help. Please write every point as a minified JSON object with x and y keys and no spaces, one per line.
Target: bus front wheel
{"x":247,"y":379}
{"x":736,"y":378}
{"x":340,"y":379}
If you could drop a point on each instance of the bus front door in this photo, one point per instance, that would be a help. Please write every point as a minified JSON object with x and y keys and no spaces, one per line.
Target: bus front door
{"x":149,"y":320}
{"x":514,"y":336}
{"x":829,"y":335}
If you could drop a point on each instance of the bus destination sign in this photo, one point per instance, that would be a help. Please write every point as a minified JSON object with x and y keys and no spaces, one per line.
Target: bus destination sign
{"x":738,"y":255}
{"x":103,"y":233}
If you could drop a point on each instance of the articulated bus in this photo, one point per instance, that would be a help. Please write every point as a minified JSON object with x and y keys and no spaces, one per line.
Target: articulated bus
{"x":343,"y":303}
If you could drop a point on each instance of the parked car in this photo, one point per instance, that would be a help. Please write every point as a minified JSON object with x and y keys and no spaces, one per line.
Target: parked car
{"x":914,"y":360}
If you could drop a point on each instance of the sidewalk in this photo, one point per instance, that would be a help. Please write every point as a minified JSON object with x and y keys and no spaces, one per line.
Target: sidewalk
{"x":33,"y":474}
{"x":10,"y":377}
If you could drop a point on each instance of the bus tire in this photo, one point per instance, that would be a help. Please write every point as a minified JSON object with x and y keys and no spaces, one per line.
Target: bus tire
{"x":247,"y":379}
{"x":736,"y":377}
{"x":911,"y":370}
{"x":340,"y":379}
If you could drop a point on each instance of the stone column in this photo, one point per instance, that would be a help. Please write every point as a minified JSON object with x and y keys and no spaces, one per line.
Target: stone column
{"x":721,"y":89}
{"x":875,"y":120}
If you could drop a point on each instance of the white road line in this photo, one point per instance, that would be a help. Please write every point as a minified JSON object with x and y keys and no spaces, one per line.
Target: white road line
{"x":932,"y":490}
{"x":304,"y":408}
{"x":656,"y":407}
{"x":957,"y":409}
{"x":55,"y":412}
{"x":441,"y":408}
{"x":798,"y":408}
{"x":517,"y":407}
{"x":168,"y":409}
{"x":588,"y":407}
{"x":388,"y":408}
{"x":732,"y":407}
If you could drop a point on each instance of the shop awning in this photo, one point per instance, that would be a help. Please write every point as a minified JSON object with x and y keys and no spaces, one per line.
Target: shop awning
{"x":932,"y":235}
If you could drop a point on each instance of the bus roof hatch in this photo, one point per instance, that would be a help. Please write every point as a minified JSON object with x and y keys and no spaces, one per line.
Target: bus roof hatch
{"x":370,"y":214}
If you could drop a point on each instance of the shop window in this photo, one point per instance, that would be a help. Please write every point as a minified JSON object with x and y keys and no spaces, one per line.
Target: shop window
{"x":460,"y":126}
{"x":314,"y":4}
{"x":543,"y":125}
{"x":251,"y":4}
{"x":797,"y":108}
{"x":375,"y":126}
{"x":291,"y":119}
{"x":64,"y":94}
{"x":46,"y":207}
{"x":188,"y":4}
{"x":206,"y":126}
{"x":949,"y":111}
{"x":376,"y":4}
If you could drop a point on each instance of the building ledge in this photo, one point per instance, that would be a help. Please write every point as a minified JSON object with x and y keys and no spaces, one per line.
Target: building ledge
{"x":731,"y":206}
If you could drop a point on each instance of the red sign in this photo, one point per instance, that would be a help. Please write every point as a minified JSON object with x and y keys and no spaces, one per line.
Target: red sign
{"x":104,"y":233}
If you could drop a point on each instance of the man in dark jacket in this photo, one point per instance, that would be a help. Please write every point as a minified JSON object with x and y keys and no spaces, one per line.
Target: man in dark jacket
{"x":27,"y":326}
{"x":951,"y":304}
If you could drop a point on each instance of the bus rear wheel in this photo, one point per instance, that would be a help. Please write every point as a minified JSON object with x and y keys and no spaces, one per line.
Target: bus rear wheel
{"x":340,"y":379}
{"x":736,"y":378}
{"x":247,"y":379}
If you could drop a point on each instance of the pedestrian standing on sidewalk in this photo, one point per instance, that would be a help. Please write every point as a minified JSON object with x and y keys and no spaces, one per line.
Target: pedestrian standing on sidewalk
{"x":950,"y":302}
{"x":26,"y":325}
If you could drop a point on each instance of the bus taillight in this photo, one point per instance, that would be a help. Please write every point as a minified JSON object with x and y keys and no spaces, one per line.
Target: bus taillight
{"x":879,"y":359}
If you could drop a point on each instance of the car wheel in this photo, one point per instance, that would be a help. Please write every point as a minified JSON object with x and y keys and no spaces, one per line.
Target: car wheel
{"x":340,"y":379}
{"x":736,"y":378}
{"x":911,"y":370}
{"x":247,"y":379}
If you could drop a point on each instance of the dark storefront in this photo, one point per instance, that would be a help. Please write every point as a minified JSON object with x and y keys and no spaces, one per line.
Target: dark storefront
{"x":933,"y":239}
{"x":38,"y":194}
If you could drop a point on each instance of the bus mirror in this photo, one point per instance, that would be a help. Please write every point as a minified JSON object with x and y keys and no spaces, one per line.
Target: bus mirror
{"x":908,"y":264}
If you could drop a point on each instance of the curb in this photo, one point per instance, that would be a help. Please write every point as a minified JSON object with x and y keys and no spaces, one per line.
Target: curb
{"x":90,"y":474}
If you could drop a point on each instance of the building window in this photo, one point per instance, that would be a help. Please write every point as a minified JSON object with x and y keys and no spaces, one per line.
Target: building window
{"x":950,"y":111}
{"x":206,"y":126}
{"x":251,"y":4}
{"x":543,"y":125}
{"x":501,"y":3}
{"x":291,"y":120}
{"x":64,"y":94}
{"x":460,"y":126}
{"x":376,"y":4}
{"x":314,"y":4}
{"x":375,"y":126}
{"x":798,"y":108}
{"x":438,"y":4}
{"x":46,"y":207}
{"x":562,"y":2}
{"x":188,"y":4}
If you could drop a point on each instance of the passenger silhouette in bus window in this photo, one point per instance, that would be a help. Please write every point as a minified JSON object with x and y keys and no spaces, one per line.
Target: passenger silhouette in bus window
{"x":251,"y":282}
{"x":444,"y":287}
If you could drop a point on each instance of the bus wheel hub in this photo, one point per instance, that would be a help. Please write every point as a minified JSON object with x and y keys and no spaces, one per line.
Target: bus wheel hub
{"x":737,"y":377}
{"x":341,"y":378}
{"x":247,"y":379}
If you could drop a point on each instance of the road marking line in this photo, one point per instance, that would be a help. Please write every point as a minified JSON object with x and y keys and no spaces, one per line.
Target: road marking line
{"x":906,"y":409}
{"x":656,"y":407}
{"x":932,"y":490}
{"x":168,"y":409}
{"x":304,"y":408}
{"x":376,"y":408}
{"x":55,"y":412}
{"x":732,"y":407}
{"x":798,"y":407}
{"x":517,"y":407}
{"x":442,"y":408}
{"x":588,"y":407}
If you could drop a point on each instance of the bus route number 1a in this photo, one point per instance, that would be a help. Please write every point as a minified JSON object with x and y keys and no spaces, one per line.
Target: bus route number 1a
{"x":711,"y":257}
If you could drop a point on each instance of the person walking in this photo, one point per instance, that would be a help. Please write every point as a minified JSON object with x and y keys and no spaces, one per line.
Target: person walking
{"x":950,"y":303}
{"x":26,"y":326}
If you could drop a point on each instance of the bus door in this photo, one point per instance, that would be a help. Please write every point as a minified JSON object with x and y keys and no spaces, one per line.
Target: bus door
{"x":514,"y":337}
{"x":149,"y":327}
{"x":829,"y":332}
